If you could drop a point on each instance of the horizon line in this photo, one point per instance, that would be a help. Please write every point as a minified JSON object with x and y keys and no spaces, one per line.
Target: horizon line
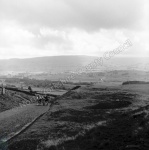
{"x":70,"y":56}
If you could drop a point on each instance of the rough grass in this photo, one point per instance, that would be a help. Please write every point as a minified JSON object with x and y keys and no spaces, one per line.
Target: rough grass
{"x":124,"y":131}
{"x":94,"y":120}
{"x":12,"y":99}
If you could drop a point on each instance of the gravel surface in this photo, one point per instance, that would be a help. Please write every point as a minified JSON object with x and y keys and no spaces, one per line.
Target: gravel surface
{"x":13,"y":120}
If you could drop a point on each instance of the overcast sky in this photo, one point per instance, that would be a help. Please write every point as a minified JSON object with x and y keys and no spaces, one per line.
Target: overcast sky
{"x":33,"y":28}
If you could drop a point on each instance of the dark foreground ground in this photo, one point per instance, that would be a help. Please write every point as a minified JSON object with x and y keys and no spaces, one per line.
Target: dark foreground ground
{"x":92,"y":118}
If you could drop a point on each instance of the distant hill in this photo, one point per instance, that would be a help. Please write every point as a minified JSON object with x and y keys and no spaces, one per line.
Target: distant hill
{"x":70,"y":63}
{"x":45,"y":64}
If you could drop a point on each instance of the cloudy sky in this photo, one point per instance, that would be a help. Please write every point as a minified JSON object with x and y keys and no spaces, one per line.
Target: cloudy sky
{"x":33,"y":28}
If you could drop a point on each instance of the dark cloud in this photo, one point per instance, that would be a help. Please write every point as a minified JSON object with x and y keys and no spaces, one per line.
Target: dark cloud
{"x":77,"y":27}
{"x":87,"y":14}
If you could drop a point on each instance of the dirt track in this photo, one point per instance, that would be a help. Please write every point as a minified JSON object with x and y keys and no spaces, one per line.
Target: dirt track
{"x":13,"y":120}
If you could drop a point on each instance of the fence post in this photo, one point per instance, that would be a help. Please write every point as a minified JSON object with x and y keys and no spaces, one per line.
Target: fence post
{"x":3,"y":90}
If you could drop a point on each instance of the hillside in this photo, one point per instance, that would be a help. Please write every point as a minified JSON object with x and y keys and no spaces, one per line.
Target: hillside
{"x":70,"y":63}
{"x":12,"y":99}
{"x":44,"y":64}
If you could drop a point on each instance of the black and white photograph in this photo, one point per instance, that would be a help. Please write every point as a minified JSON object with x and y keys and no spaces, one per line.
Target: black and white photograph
{"x":74,"y":74}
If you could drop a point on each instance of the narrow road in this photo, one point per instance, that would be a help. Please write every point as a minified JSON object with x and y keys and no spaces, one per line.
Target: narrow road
{"x":13,"y":120}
